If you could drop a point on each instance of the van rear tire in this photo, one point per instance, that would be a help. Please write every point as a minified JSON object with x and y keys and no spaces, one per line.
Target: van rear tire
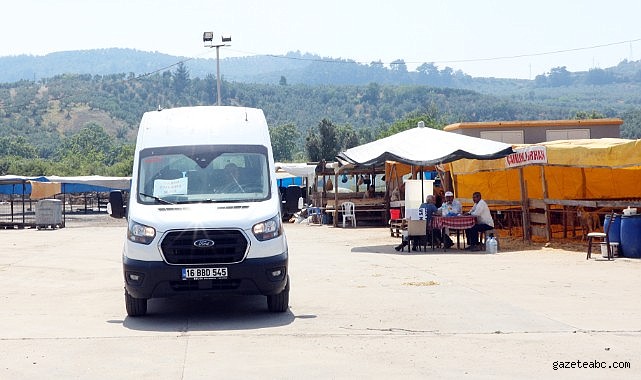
{"x":136,"y":307}
{"x":279,"y":303}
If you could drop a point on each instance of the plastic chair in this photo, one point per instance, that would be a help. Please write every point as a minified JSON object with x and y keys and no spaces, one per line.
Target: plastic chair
{"x":604,"y":238}
{"x":348,"y":211}
{"x":316,"y":215}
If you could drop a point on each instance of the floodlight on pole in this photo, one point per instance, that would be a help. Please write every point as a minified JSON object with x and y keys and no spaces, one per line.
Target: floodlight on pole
{"x":208,"y":36}
{"x":208,"y":40}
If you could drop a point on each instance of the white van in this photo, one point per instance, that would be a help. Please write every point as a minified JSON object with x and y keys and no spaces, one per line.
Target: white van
{"x":204,"y":209}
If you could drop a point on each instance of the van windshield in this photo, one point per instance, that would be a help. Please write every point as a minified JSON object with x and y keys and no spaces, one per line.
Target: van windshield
{"x":204,"y":173}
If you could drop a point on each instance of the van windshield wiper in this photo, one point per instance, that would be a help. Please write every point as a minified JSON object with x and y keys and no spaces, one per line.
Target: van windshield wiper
{"x":205,"y":200}
{"x":159,"y":200}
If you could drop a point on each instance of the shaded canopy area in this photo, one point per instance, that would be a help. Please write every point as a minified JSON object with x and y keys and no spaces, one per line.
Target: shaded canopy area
{"x":422,"y":146}
{"x":285,"y":170}
{"x":12,"y":184}
{"x":598,"y":169}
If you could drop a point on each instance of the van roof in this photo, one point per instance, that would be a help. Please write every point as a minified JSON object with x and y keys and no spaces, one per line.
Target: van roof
{"x":203,"y":125}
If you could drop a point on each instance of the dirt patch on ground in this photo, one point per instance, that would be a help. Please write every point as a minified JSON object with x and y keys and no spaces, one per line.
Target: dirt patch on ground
{"x":76,"y":220}
{"x":516,"y":243}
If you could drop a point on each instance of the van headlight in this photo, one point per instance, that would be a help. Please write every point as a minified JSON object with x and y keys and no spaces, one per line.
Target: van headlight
{"x":139,"y":233}
{"x":268,"y":229}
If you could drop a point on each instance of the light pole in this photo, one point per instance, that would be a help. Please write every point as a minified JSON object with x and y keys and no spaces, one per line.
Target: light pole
{"x":208,"y":40}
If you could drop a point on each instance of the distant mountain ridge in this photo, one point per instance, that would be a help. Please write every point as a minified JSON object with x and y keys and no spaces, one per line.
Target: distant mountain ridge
{"x":117,"y":61}
{"x":294,"y":67}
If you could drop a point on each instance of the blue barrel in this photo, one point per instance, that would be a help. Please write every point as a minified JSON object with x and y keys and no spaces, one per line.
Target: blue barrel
{"x":630,"y":236}
{"x":615,"y":229}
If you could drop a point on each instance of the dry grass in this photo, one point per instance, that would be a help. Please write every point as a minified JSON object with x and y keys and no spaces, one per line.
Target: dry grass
{"x":421,"y":283}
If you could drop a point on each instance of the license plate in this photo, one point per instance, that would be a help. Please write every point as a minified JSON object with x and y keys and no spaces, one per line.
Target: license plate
{"x":204,"y":273}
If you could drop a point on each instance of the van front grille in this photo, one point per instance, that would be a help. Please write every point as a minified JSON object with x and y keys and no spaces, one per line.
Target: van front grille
{"x":204,"y":246}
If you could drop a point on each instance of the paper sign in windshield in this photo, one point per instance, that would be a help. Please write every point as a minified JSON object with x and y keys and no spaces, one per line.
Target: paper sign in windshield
{"x":164,"y":187}
{"x":527,"y":156}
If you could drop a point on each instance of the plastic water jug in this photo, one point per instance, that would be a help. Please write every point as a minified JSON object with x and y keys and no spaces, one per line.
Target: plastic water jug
{"x":491,"y":245}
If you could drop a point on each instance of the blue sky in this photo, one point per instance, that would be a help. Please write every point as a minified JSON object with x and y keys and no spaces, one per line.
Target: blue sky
{"x":506,"y":39}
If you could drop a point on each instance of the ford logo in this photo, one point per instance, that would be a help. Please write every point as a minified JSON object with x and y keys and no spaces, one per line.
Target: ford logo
{"x":203,"y":243}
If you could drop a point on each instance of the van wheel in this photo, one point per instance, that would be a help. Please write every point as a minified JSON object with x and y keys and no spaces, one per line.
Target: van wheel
{"x":136,"y":307}
{"x":279,"y":303}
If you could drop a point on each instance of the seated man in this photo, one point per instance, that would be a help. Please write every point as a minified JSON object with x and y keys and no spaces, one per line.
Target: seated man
{"x":451,"y":206}
{"x":429,"y":210}
{"x":370,"y":192}
{"x":484,"y":222}
{"x":232,"y":178}
{"x":433,"y":234}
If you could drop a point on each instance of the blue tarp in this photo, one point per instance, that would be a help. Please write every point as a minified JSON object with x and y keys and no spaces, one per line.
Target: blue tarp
{"x":290,"y":181}
{"x":18,"y":185}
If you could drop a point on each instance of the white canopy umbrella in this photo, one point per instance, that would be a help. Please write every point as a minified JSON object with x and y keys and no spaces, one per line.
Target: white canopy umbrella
{"x":423,"y":146}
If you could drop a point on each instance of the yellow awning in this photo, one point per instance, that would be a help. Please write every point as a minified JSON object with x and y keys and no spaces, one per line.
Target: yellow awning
{"x":575,"y":169}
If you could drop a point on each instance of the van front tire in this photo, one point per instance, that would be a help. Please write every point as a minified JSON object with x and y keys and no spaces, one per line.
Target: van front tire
{"x":136,"y":307}
{"x":279,"y":303}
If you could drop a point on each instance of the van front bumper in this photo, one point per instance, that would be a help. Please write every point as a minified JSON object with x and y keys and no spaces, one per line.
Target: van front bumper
{"x":155,"y":279}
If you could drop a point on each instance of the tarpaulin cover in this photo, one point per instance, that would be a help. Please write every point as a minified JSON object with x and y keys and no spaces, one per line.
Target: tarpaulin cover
{"x":12,"y":184}
{"x":423,"y":147}
{"x":576,"y":169}
{"x":285,"y":170}
{"x":40,"y":190}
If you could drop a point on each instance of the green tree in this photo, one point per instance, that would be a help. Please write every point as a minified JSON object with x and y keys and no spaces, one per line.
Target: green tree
{"x":26,"y":166}
{"x":430,"y":71}
{"x":88,"y":152}
{"x":124,"y":161}
{"x":347,"y":136}
{"x":633,"y":122}
{"x":584,"y":115}
{"x":17,"y":146}
{"x":559,"y":76}
{"x":372,"y":94}
{"x":90,"y":140}
{"x":180,"y":79}
{"x":398,"y":66}
{"x":322,"y":143}
{"x":284,"y":138}
{"x":598,"y":76}
{"x":411,"y":122}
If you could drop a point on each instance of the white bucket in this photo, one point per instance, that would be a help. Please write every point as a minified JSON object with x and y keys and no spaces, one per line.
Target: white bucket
{"x":629,"y":211}
{"x":613,"y":246}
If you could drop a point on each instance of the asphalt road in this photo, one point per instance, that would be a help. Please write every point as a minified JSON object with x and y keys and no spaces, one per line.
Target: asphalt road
{"x":358,"y":309}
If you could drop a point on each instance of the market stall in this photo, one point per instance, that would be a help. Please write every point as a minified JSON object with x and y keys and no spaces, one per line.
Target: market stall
{"x":599,"y":174}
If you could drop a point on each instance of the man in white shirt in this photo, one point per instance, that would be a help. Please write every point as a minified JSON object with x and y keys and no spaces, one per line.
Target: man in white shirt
{"x":484,"y":222}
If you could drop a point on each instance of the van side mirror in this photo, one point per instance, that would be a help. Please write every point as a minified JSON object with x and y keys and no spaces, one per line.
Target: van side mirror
{"x":116,"y":206}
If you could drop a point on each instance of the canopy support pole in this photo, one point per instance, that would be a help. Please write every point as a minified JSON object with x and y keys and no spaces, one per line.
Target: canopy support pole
{"x":525,"y":209}
{"x":336,"y":208}
{"x":548,"y":227}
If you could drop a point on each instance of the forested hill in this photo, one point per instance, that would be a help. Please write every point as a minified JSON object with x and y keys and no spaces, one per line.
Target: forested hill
{"x":609,"y":91}
{"x":66,"y":102}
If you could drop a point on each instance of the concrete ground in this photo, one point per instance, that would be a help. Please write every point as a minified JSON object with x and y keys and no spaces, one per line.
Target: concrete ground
{"x":358,"y":309}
